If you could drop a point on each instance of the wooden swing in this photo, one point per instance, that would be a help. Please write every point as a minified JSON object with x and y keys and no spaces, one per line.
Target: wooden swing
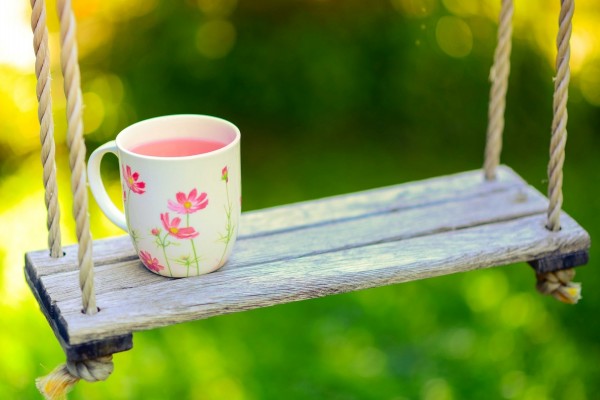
{"x":416,"y":230}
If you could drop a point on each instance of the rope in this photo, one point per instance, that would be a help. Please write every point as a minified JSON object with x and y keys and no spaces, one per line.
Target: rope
{"x":499,"y":78}
{"x":559,"y":121}
{"x":558,"y":284}
{"x":61,"y":380}
{"x":42,"y":73}
{"x":76,"y":144}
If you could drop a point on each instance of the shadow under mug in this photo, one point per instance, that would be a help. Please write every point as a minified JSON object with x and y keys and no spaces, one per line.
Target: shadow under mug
{"x":182,"y":212}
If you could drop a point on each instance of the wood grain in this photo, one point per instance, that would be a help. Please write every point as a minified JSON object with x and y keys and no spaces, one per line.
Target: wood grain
{"x":315,"y":212}
{"x":312,"y":249}
{"x":82,"y":351}
{"x":168,"y":302}
{"x":335,"y":236}
{"x":398,"y":197}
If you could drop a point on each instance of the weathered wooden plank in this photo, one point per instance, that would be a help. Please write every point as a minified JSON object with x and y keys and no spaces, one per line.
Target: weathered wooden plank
{"x":169,"y":302}
{"x":316,"y":212}
{"x":349,"y":233}
{"x":77,"y":352}
{"x":106,"y":252}
{"x":311,"y":249}
{"x":398,"y":197}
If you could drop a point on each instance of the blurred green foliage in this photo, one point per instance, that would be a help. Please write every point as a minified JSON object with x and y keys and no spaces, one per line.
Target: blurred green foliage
{"x":331,"y":97}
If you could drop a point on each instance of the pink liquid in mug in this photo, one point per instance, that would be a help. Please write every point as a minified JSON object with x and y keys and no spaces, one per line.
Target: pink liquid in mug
{"x":177,"y":147}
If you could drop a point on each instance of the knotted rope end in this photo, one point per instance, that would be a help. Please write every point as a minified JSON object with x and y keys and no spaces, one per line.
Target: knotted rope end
{"x":558,"y":284}
{"x":63,"y":378}
{"x":57,"y":383}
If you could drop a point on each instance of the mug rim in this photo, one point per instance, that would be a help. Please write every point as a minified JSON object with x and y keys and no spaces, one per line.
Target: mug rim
{"x":213,"y":153}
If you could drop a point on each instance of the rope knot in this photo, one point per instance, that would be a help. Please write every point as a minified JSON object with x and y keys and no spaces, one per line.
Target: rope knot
{"x":559,"y":285}
{"x":61,"y":380}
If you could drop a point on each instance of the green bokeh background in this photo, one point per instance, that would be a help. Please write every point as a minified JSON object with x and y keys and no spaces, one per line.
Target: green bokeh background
{"x":331,"y":97}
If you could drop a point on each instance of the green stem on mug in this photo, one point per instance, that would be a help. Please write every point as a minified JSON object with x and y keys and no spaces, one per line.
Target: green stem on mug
{"x":164,"y":248}
{"x":127,"y":210}
{"x":226,"y":238}
{"x":187,"y":220}
{"x":186,"y":261}
{"x":133,"y":235}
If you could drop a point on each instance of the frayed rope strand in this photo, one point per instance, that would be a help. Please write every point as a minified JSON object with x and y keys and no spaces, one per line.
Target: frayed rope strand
{"x":63,"y":378}
{"x":56,"y":384}
{"x":559,"y":285}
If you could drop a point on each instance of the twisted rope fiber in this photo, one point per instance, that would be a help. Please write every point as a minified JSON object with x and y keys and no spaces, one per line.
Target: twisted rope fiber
{"x":559,"y":121}
{"x":58,"y":383}
{"x":76,"y":144}
{"x":558,"y":284}
{"x":62,"y":379}
{"x":499,"y":77}
{"x":42,"y":73}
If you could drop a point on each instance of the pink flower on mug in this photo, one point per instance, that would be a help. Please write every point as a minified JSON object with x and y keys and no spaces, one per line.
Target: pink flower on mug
{"x":155,"y":232}
{"x":188,"y":204}
{"x":150,"y":262}
{"x":131,"y":179}
{"x":225,"y":174}
{"x":172,"y":227}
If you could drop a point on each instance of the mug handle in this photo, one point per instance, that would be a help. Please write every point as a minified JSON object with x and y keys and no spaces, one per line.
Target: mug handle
{"x":97,"y":186}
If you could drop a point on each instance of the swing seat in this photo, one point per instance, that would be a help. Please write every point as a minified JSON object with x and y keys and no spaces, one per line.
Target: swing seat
{"x":312,"y":249}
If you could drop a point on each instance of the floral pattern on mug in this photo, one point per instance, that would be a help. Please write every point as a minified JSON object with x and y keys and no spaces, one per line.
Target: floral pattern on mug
{"x":225,"y":174}
{"x":150,"y":262}
{"x":131,"y":180}
{"x":229,"y":227}
{"x":180,"y":212}
{"x":162,"y":242}
{"x":188,"y":204}
{"x":184,"y":203}
{"x":133,"y":183}
{"x":172,"y":227}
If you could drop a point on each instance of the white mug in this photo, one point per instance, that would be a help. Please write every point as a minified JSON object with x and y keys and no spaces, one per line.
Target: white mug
{"x":182,"y":212}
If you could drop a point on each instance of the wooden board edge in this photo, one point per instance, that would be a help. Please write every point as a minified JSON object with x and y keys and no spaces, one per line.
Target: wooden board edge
{"x":38,"y":289}
{"x":98,"y":348}
{"x":78,"y":352}
{"x":560,"y":261}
